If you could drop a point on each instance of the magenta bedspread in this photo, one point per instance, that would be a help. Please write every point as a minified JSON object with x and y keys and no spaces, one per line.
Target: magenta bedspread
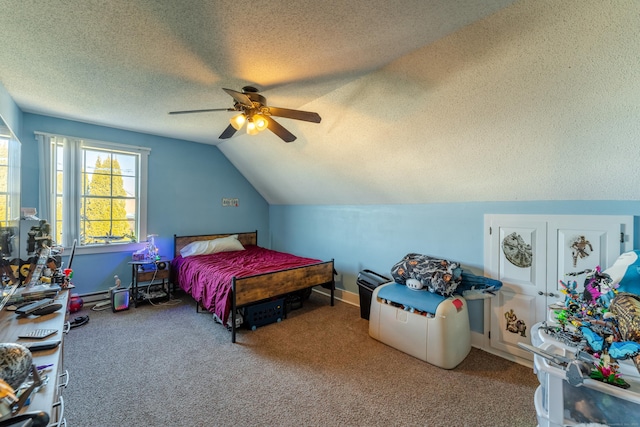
{"x":207,"y":278}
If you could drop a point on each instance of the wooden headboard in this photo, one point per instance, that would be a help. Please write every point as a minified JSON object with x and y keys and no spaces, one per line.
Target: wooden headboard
{"x":247,"y":238}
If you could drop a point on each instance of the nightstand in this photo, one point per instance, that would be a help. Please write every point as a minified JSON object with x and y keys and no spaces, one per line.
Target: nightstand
{"x":154,"y":273}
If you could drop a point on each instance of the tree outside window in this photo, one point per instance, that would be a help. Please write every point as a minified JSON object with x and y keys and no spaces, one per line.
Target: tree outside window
{"x":108,"y":208}
{"x":98,"y":191}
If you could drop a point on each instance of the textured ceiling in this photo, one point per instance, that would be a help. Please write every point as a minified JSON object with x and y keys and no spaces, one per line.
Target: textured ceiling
{"x":127,"y":63}
{"x":421,"y":100}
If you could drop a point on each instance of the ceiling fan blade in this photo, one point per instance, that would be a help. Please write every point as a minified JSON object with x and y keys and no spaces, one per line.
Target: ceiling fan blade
{"x":240,"y":97}
{"x":279,"y":130}
{"x":201,"y":111}
{"x":307,"y":116}
{"x":228,"y":132}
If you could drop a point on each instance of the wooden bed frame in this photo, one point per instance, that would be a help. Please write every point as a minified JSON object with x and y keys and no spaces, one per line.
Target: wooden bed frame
{"x":253,"y":289}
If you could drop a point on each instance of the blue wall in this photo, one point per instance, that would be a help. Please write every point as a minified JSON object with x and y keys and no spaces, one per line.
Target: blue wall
{"x":187,"y":181}
{"x":376,"y":237}
{"x":186,"y":184}
{"x":10,"y":112}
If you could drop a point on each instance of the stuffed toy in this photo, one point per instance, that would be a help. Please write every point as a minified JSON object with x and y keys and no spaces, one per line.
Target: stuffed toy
{"x":437,"y":275}
{"x":626,"y":272}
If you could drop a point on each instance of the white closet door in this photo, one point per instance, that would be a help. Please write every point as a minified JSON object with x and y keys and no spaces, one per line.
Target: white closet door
{"x":515,"y":255}
{"x":583,"y":242}
{"x":530,"y":254}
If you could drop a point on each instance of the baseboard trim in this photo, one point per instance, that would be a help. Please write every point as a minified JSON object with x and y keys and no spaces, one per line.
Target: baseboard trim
{"x":341,"y":295}
{"x":95,"y":296}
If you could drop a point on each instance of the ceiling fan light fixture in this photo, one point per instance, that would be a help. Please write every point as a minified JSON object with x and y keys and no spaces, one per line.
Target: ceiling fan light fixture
{"x":238,"y":121}
{"x":252,"y":108}
{"x":260,"y":122}
{"x":252,"y":129}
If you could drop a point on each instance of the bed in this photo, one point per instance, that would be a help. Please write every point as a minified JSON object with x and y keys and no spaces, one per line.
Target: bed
{"x":225,"y":281}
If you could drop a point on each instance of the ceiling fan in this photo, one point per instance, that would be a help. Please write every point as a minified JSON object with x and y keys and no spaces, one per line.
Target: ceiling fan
{"x":254,"y":111}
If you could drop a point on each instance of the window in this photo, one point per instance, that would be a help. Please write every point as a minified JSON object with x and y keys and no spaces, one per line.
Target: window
{"x":4,"y":180}
{"x":9,"y":177}
{"x":97,"y":191}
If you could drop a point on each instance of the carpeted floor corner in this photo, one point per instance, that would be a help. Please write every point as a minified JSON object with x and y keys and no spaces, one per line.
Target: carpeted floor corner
{"x":166,"y":365}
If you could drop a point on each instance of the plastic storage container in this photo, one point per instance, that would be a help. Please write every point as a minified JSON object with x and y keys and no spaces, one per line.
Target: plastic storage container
{"x":264,"y":313}
{"x":367,"y":281}
{"x":559,"y":403}
{"x":435,"y":329}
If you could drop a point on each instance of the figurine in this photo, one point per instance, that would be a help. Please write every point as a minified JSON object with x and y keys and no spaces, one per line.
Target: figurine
{"x":607,"y":372}
{"x":514,"y":325}
{"x":579,"y":249}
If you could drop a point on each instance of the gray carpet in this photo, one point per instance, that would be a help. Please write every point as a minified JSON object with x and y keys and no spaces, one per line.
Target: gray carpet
{"x":167,"y":365}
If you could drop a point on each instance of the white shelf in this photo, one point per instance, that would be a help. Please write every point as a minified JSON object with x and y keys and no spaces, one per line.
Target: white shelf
{"x":559,"y":403}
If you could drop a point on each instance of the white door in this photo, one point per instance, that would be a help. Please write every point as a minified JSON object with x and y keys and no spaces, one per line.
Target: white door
{"x":584,"y":242}
{"x":516,"y":255}
{"x":530,"y":254}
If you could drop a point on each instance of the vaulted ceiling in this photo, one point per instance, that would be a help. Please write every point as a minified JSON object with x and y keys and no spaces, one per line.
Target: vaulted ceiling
{"x":362,"y":65}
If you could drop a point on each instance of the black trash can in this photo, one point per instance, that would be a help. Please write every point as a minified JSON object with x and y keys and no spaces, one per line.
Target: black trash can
{"x":367,"y":281}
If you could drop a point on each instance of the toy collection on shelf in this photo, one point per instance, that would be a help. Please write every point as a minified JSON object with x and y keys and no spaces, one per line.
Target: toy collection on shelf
{"x":42,"y":275}
{"x":602,"y":321}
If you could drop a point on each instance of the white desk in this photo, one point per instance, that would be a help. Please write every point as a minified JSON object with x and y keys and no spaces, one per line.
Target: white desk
{"x":48,"y":398}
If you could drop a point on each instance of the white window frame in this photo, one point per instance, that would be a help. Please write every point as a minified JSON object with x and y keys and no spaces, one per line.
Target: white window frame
{"x":12,"y":168}
{"x":5,"y":196}
{"x":84,"y":143}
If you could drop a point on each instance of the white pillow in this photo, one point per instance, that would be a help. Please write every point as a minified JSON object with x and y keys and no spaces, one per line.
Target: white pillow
{"x":203,"y":247}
